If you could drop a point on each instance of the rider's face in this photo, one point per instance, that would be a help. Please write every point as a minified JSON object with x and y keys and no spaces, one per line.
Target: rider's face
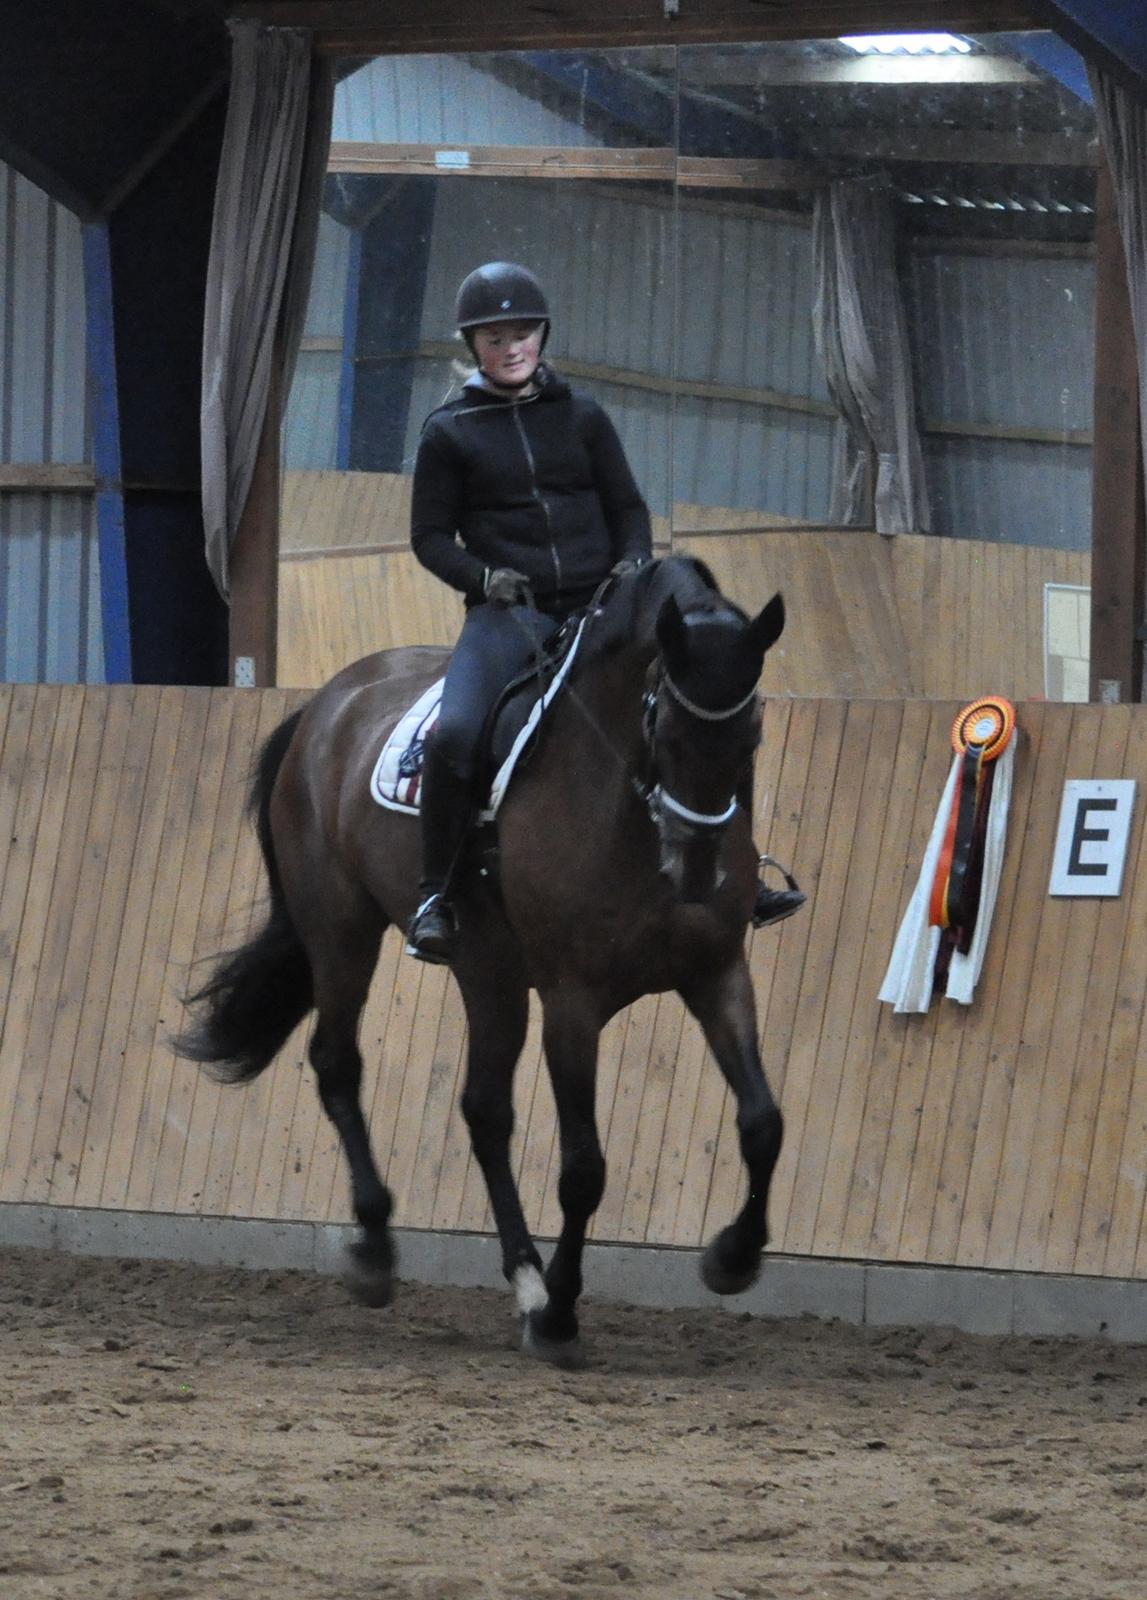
{"x":508,"y":352}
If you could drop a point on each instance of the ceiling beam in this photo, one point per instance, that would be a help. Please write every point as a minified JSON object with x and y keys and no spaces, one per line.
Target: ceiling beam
{"x":659,"y":165}
{"x":505,"y":161}
{"x":376,"y":27}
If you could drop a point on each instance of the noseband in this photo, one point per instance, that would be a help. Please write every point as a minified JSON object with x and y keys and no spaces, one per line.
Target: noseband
{"x":657,"y":797}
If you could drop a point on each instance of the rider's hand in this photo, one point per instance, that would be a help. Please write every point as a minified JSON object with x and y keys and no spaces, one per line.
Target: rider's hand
{"x":622,"y":568}
{"x":505,"y":587}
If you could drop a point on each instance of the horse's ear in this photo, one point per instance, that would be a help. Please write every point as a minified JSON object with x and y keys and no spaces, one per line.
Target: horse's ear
{"x":672,"y":638}
{"x":765,"y":629}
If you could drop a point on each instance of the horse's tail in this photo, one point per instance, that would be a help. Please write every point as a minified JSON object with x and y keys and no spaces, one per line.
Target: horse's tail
{"x":257,"y":994}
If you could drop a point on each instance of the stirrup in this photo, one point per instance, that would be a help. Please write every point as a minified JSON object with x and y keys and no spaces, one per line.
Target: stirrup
{"x":433,"y":932}
{"x":774,"y":905}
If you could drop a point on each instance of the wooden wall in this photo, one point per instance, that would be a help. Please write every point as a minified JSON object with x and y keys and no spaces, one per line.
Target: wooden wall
{"x":868,"y":616}
{"x":1012,"y":1133}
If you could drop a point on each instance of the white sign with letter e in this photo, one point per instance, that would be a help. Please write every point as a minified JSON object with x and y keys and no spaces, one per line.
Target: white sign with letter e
{"x":1091,"y":841}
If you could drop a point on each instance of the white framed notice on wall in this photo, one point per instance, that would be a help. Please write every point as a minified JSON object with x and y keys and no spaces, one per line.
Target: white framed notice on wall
{"x":1091,"y":840}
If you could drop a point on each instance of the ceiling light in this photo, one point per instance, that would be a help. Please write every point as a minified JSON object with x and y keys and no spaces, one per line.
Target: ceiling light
{"x":911,"y":44}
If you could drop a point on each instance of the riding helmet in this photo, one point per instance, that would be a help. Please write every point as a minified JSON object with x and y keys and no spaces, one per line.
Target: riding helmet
{"x":500,"y":291}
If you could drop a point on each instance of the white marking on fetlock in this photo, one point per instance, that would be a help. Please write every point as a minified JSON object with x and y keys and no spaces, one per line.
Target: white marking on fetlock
{"x":530,"y":1288}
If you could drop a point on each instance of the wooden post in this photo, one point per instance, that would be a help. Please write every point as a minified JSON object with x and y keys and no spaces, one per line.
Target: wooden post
{"x":255,"y":557}
{"x":1118,"y":523}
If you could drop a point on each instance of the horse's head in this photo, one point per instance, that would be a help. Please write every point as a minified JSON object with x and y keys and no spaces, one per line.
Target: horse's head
{"x":703,"y":723}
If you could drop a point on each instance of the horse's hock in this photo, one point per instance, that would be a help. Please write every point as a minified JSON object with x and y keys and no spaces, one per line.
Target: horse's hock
{"x":1004,"y":1138}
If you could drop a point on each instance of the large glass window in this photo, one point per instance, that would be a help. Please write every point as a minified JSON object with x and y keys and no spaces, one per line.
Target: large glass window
{"x":668,"y":200}
{"x":828,"y":284}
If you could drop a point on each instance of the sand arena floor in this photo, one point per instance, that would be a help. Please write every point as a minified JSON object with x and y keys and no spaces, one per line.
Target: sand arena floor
{"x":175,"y":1433}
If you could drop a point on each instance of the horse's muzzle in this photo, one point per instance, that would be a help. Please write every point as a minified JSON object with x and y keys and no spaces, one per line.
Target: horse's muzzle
{"x":690,"y":846}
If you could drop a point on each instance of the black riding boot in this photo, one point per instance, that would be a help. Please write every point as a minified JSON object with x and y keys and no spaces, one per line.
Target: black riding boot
{"x":444,"y":810}
{"x":770,"y":905}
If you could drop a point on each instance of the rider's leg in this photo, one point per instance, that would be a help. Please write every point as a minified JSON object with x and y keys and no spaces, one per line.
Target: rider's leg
{"x":444,"y":815}
{"x":496,"y":643}
{"x":771,"y":905}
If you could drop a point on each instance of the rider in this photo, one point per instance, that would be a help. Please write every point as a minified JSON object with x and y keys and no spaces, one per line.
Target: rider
{"x":524,"y":501}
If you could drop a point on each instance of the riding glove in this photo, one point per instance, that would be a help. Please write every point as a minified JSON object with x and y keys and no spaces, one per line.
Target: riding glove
{"x":505,"y":587}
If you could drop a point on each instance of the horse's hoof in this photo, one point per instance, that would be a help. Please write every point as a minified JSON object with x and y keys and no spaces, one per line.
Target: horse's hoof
{"x":721,"y":1278}
{"x":369,"y":1275}
{"x":567,"y":1354}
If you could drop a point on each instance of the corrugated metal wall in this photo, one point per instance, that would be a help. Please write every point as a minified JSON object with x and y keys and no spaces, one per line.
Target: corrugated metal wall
{"x":745,"y":287}
{"x":50,"y":622}
{"x":49,"y":555}
{"x":310,"y":431}
{"x":1006,"y":341}
{"x":445,"y":100}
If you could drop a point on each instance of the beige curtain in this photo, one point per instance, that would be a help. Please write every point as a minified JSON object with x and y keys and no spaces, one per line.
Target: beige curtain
{"x":267,"y":197}
{"x":862,"y":338}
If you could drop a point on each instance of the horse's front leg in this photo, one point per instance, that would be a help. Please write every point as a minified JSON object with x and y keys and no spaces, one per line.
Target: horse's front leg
{"x":724,"y":1006}
{"x":571,"y":1027}
{"x":496,"y":995}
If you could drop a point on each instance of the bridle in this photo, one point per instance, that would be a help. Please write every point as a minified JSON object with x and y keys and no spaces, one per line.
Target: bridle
{"x":658,"y":800}
{"x":660,"y":804}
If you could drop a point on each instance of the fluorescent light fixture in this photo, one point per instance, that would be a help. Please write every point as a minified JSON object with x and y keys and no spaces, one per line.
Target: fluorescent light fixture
{"x":910,"y":44}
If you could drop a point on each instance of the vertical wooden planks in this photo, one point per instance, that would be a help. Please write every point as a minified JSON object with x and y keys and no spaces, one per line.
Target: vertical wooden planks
{"x":1078,"y":1081}
{"x":1008,"y":1133}
{"x":26,"y":911}
{"x":844,"y":896}
{"x":100,"y":802}
{"x":54,"y":890}
{"x":909,"y":1039}
{"x":1046,"y":1058}
{"x":853,"y":1010}
{"x":1041,"y":760}
{"x":1117,"y":1171}
{"x":911,"y":789}
{"x":818,"y":922}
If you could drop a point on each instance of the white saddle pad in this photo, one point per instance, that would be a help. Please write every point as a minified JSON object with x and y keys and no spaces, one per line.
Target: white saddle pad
{"x":396,"y":781}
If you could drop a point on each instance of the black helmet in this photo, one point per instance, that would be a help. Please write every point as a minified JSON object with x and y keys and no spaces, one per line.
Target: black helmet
{"x":500,"y":292}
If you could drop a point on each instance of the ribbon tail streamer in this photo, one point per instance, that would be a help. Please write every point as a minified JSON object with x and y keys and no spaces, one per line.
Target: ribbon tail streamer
{"x":910,"y":981}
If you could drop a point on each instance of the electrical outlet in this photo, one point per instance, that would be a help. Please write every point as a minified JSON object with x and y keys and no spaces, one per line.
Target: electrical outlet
{"x":244,"y":672}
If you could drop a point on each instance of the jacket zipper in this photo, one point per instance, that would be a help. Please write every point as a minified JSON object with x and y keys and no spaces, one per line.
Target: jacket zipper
{"x":539,"y":497}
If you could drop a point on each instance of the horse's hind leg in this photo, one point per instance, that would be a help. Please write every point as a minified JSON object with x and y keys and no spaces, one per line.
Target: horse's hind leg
{"x":725,"y":1008}
{"x":342,"y":973}
{"x":496,"y":994}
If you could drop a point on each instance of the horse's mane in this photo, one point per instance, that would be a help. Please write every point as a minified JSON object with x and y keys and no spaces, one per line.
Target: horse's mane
{"x":630,"y":610}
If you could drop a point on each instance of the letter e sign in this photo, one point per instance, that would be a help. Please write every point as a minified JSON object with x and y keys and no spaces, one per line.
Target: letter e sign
{"x":1091,"y":841}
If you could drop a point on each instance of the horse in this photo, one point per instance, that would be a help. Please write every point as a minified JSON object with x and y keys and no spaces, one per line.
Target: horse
{"x":625,"y":867}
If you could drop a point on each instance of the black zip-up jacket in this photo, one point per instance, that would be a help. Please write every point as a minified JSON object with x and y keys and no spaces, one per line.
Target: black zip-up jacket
{"x":540,"y":485}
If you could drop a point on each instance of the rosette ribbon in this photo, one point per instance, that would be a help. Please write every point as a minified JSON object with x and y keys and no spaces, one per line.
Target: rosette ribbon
{"x":944,"y":932}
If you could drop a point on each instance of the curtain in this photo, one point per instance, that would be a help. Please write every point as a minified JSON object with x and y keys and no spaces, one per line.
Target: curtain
{"x":265,"y":223}
{"x":862,"y":338}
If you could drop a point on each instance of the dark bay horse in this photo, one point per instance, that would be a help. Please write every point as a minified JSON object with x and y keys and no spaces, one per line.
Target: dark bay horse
{"x":626,"y":868}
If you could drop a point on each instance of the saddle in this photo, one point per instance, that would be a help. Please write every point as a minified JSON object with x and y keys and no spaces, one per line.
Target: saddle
{"x":509,"y":734}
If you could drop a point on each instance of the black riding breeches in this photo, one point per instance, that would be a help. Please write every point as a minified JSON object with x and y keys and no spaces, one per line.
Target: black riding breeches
{"x":496,"y":643}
